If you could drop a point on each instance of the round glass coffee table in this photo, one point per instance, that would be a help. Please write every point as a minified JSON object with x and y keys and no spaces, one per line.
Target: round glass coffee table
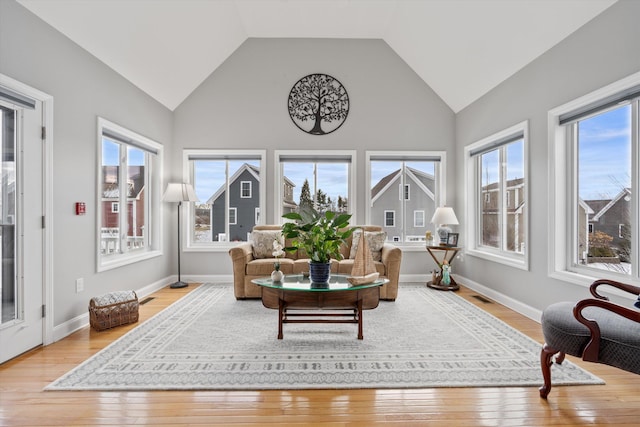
{"x":338,"y":301}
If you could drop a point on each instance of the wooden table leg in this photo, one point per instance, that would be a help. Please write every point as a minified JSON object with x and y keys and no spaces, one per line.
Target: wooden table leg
{"x":280,"y":317}
{"x":359,"y":309}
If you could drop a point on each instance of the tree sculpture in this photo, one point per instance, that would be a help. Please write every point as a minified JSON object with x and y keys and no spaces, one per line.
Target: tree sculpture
{"x":318,"y":99}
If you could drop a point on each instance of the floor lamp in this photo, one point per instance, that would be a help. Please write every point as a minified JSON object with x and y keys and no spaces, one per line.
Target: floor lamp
{"x":179,"y":192}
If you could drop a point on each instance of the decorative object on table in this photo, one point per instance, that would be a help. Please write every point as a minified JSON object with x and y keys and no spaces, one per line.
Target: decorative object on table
{"x":276,"y":274}
{"x":113,"y":309}
{"x":452,"y":239}
{"x":179,"y":192}
{"x":428,"y":237}
{"x":319,"y":235}
{"x":318,"y":99}
{"x":446,"y":277}
{"x":442,"y":218}
{"x":363,"y":270}
{"x":443,"y":256}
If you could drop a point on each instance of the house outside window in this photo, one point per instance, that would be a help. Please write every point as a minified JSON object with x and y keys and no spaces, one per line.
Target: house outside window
{"x":404,"y":190}
{"x":594,"y":144}
{"x":497,"y":215}
{"x":231,"y":192}
{"x":129,"y":183}
{"x":321,"y":179}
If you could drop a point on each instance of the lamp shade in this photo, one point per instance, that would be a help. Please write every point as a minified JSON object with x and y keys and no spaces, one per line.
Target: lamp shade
{"x":180,"y":192}
{"x":444,"y":215}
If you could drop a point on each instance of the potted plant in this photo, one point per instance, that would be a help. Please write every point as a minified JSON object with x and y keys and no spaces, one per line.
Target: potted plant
{"x":320,"y":236}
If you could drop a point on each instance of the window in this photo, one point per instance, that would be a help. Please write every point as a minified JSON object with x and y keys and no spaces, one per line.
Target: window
{"x":595,"y":162}
{"x":230,"y":187}
{"x":233,"y":214}
{"x":245,"y":189}
{"x":320,"y":179}
{"x":404,"y":190}
{"x":389,"y":218}
{"x":129,"y":202}
{"x":418,"y":219}
{"x":497,"y":214}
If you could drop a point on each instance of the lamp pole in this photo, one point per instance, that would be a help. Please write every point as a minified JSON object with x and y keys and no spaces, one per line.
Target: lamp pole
{"x":179,"y":283}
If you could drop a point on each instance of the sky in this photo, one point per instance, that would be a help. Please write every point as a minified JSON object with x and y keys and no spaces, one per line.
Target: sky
{"x":604,"y":155}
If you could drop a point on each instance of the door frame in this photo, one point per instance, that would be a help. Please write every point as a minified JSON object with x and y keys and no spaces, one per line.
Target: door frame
{"x":47,"y":199}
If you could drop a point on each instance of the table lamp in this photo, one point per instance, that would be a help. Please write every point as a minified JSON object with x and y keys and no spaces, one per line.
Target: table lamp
{"x":441,"y":218}
{"x":179,"y":192}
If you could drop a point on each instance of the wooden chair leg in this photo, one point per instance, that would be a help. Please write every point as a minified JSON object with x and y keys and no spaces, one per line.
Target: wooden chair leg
{"x":546,"y":360}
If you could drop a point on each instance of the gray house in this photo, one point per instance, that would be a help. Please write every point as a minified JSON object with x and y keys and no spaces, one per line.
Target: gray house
{"x":407,"y":221}
{"x":244,"y":201}
{"x":612,"y":217}
{"x":244,"y":205}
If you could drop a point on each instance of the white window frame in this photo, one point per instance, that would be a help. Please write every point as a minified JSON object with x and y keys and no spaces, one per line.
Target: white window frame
{"x":393,"y":218}
{"x":242,"y":188}
{"x":474,"y":200}
{"x":441,"y":192}
{"x":234,"y":215}
{"x":416,"y":215}
{"x":280,"y":157}
{"x":115,"y":207}
{"x":153,"y":211}
{"x":188,"y":244}
{"x":560,"y":219}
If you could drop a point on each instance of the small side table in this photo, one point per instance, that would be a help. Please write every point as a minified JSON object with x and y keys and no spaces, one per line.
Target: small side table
{"x":439,"y":254}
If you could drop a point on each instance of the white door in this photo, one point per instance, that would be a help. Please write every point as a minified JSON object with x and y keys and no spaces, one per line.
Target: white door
{"x":21,"y":228}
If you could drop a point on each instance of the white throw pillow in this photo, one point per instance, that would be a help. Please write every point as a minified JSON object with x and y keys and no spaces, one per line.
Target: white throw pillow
{"x":375,"y":240}
{"x":262,"y":242}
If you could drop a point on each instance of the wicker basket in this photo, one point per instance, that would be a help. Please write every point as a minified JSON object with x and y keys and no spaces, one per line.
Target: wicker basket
{"x":113,"y":309}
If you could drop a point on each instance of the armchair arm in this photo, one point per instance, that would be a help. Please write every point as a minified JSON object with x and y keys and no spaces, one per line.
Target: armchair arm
{"x":592,"y":349}
{"x":635,"y":290}
{"x":240,"y":256}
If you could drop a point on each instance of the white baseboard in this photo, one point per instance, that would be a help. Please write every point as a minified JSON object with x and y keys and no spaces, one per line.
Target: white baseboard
{"x":513,"y":304}
{"x":72,"y":325}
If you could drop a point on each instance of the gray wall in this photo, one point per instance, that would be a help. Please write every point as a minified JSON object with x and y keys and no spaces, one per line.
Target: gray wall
{"x":243,"y":104}
{"x":83,"y":88}
{"x":601,"y":52}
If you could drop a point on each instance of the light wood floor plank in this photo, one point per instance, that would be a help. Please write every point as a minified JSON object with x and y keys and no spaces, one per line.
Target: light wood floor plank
{"x":24,"y":403}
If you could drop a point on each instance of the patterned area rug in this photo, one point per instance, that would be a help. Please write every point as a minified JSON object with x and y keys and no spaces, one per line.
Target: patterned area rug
{"x":209,"y":341}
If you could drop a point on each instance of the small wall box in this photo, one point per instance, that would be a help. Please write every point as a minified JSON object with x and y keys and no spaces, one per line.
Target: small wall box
{"x":81,"y":208}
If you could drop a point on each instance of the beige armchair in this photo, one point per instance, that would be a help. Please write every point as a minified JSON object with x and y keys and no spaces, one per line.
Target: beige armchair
{"x":249,"y":265}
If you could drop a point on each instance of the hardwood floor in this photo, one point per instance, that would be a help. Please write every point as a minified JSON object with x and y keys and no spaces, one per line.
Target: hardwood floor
{"x":24,"y":403}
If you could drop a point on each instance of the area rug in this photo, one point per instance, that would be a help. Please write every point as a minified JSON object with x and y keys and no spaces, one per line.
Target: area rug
{"x":209,"y":341}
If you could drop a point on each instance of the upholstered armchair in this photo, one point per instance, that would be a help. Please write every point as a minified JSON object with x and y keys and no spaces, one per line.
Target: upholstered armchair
{"x":594,"y":329}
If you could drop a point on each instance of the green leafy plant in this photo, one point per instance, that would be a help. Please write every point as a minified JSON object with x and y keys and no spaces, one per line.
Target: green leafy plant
{"x":319,"y":235}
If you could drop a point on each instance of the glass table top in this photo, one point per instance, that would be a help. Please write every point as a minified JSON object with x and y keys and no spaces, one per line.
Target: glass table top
{"x":298,"y":282}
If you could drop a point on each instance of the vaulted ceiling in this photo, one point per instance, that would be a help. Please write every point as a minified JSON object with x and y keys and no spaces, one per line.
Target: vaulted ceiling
{"x":460,"y":48}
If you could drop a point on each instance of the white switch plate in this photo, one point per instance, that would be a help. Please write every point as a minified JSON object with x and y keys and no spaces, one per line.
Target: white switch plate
{"x":79,"y":285}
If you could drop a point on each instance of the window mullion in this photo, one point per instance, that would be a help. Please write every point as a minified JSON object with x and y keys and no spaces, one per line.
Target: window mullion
{"x":504,"y":220}
{"x":227,"y":201}
{"x":122,"y":197}
{"x":635,"y":181}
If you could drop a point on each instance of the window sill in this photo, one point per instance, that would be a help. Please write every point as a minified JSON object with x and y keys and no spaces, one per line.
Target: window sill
{"x":109,"y":263}
{"x":515,"y":262}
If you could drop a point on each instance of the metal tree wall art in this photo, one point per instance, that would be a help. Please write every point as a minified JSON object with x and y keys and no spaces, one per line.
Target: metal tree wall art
{"x":318,"y":104}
